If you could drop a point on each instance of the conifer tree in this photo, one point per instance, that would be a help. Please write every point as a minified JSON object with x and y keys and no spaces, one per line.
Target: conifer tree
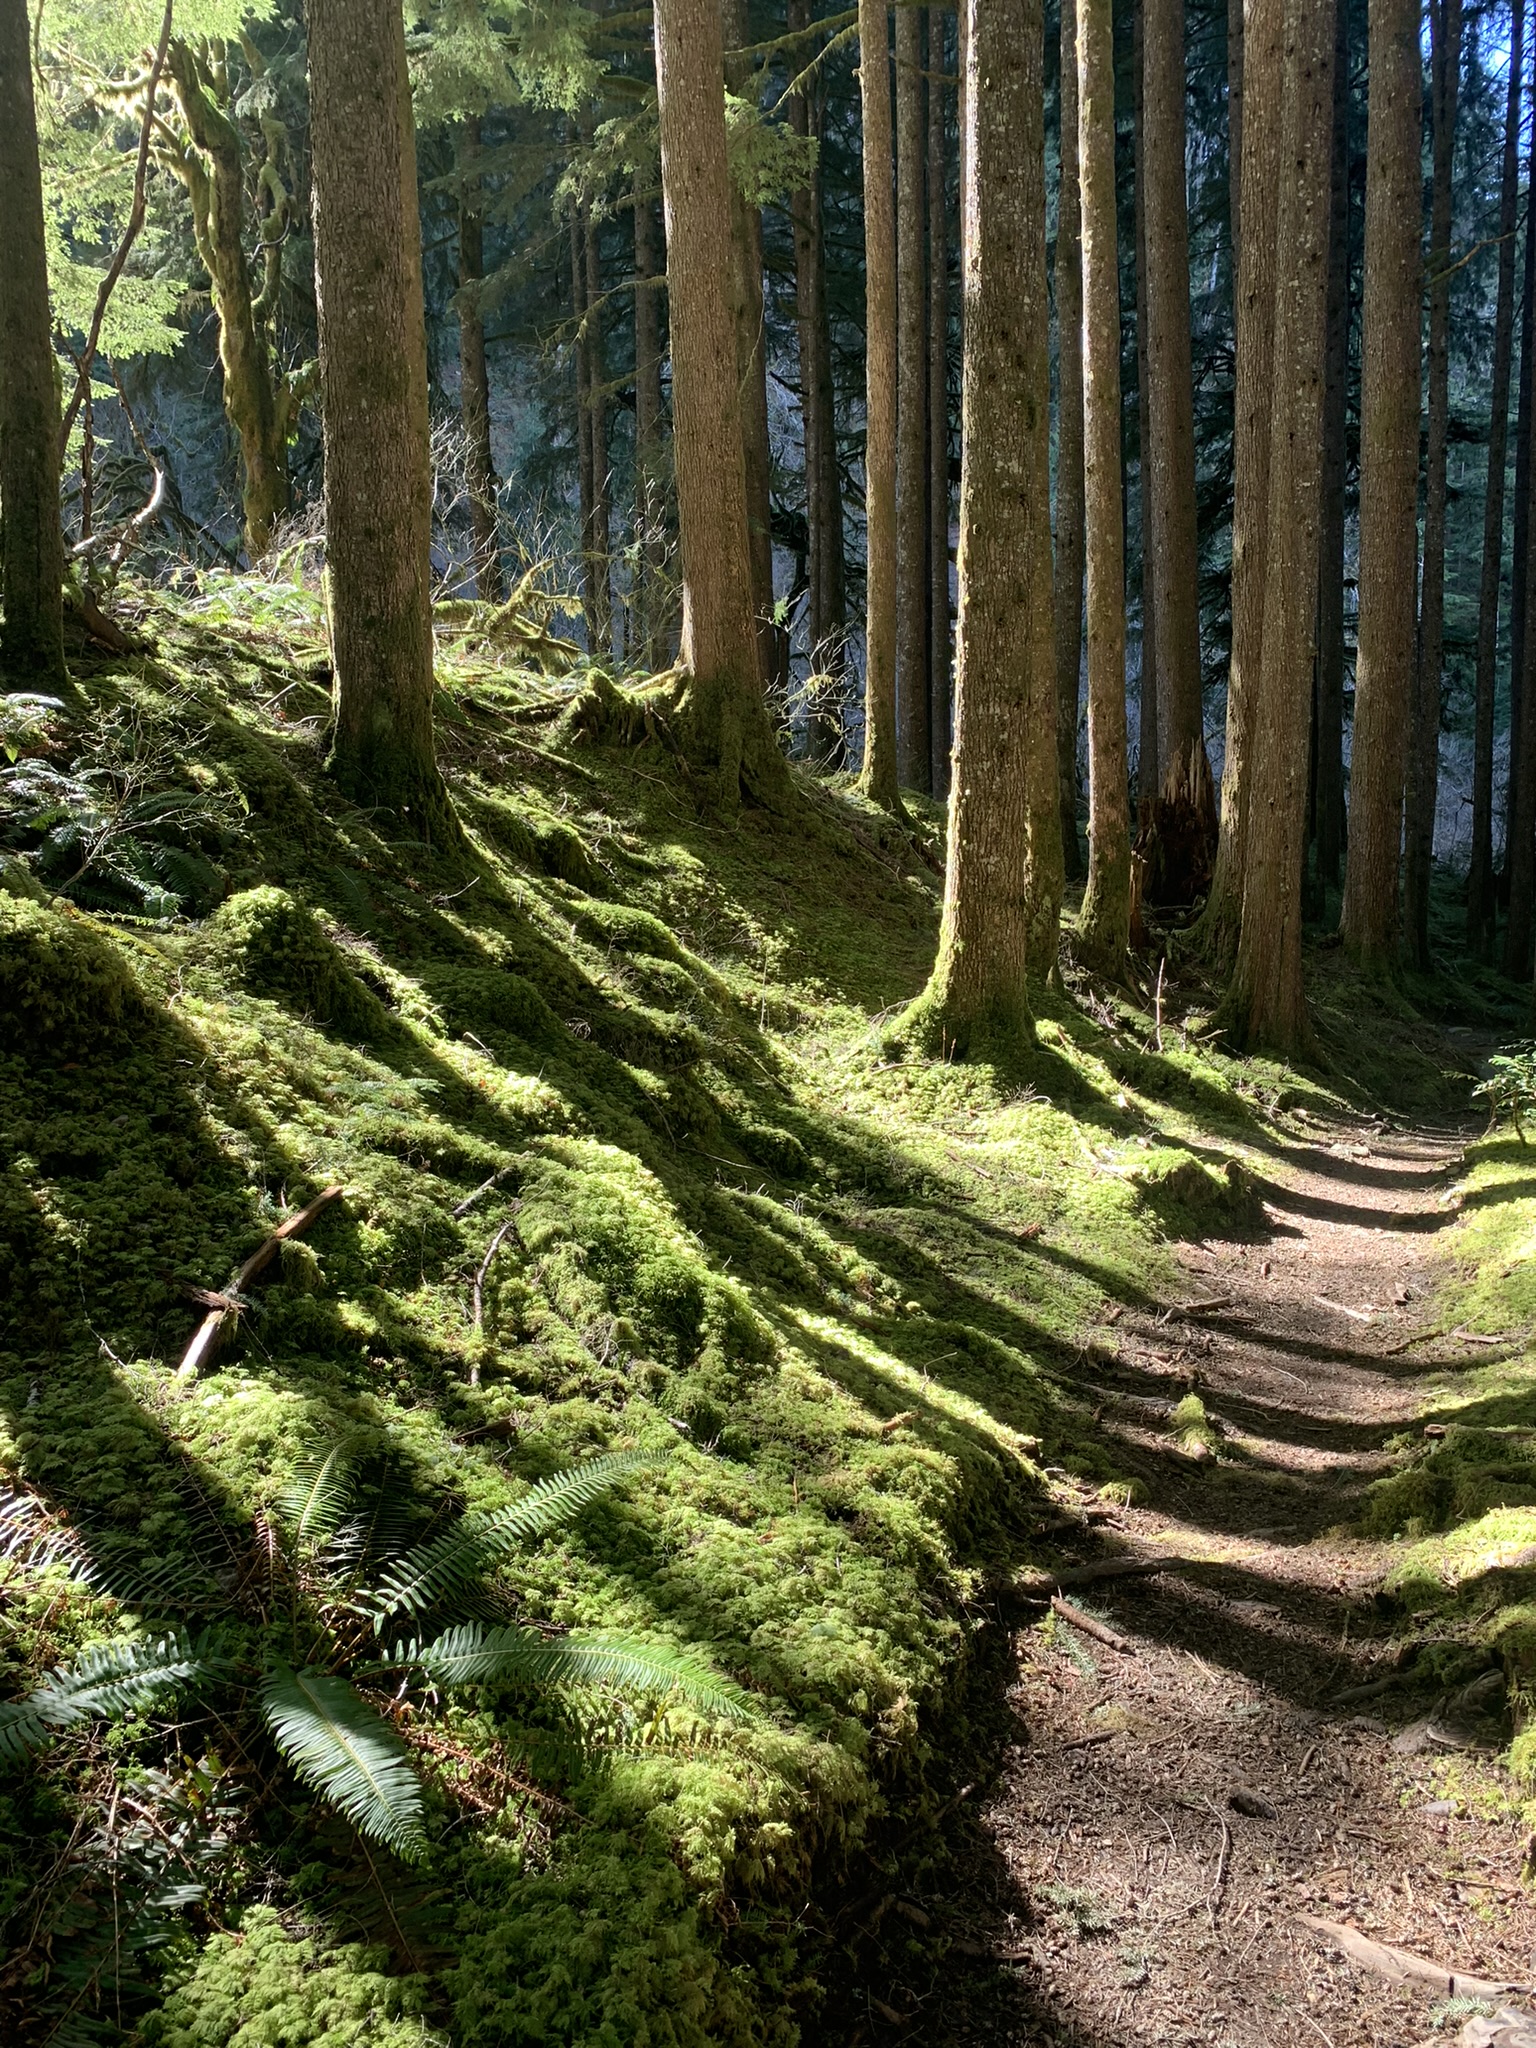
{"x":914,"y":735}
{"x":31,"y":537}
{"x":1004,"y":758}
{"x":1389,"y":462}
{"x":880,"y":777}
{"x":1069,"y":444}
{"x":474,"y":382}
{"x":373,"y":381}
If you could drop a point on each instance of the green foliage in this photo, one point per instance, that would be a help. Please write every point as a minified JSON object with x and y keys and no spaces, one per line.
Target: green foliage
{"x":258,"y":1985}
{"x":108,"y":1680}
{"x":472,"y":1654}
{"x":341,"y":1746}
{"x":1509,"y":1088}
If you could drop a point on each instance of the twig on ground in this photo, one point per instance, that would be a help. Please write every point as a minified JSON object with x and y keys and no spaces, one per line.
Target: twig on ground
{"x":1088,"y":1625}
{"x":1213,"y":1903}
{"x":210,"y":1330}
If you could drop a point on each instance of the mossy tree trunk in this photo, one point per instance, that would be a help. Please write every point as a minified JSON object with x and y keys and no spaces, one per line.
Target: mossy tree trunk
{"x":211,"y":165}
{"x":1424,"y":763}
{"x":1148,"y":765}
{"x":1105,"y":924}
{"x":1068,"y":595}
{"x":1254,"y":403}
{"x":600,"y":537}
{"x":1328,"y":808}
{"x":373,"y":382}
{"x":1265,"y":1003}
{"x":1480,"y":886}
{"x":31,"y":536}
{"x":912,"y":701}
{"x":879,"y":778}
{"x":1522,"y":526}
{"x":1389,"y":464}
{"x":474,"y":379}
{"x":1004,"y":766}
{"x":723,"y":721}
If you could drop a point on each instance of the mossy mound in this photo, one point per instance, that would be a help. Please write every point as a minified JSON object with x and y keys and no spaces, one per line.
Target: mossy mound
{"x":273,"y":945}
{"x":64,"y":987}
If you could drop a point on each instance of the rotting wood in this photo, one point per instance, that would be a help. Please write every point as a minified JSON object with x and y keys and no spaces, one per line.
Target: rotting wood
{"x":210,"y":1331}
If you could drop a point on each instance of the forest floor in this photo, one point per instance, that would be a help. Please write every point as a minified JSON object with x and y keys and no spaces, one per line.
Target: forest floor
{"x":1253,"y":1750}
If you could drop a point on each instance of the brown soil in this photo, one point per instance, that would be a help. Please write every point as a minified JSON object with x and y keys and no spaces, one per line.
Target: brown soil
{"x":1104,"y":1889}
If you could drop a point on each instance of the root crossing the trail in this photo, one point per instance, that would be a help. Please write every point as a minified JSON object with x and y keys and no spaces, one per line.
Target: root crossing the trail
{"x":1230,"y":1751}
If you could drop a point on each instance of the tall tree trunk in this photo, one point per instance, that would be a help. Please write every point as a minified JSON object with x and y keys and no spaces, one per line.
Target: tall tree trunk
{"x":373,"y":385}
{"x":977,"y":991}
{"x":214,"y":175}
{"x":1328,"y":779}
{"x":938,"y":410}
{"x":1254,"y":404}
{"x":650,"y":495}
{"x":31,"y":536}
{"x":722,"y":716}
{"x":1105,"y":924}
{"x":752,"y":363}
{"x":1148,"y":765}
{"x":1389,"y":464}
{"x":879,"y":777}
{"x":1480,"y":893}
{"x":1175,"y":547}
{"x":474,"y":382}
{"x":592,"y":571}
{"x":1520,"y":859}
{"x":1069,"y":446}
{"x":1521,"y":537}
{"x":823,"y":487}
{"x":1265,"y":1004}
{"x":1236,"y":38}
{"x":597,"y":430}
{"x":1424,"y":765}
{"x":912,"y":707}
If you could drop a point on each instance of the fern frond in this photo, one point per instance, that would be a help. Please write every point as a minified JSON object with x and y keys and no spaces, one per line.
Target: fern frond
{"x":472,"y":1654}
{"x":449,"y":1567}
{"x":109,"y":1679}
{"x":23,"y":1731}
{"x":347,"y":1753}
{"x":316,"y":1500}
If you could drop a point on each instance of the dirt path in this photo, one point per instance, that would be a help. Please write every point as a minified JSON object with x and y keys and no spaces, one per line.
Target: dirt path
{"x":1167,"y":1810}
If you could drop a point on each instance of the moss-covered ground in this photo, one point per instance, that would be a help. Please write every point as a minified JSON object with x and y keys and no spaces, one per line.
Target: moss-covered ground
{"x":625,"y":1165}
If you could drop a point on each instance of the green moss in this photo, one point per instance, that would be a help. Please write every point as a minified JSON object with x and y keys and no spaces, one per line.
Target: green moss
{"x":64,"y":988}
{"x":273,"y":945}
{"x":260,"y":1986}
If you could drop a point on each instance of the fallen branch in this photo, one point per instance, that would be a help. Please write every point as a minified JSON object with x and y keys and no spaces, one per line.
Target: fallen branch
{"x":1359,"y":1315}
{"x":1115,"y":1568}
{"x":1088,"y":1625}
{"x":1401,"y":1966}
{"x":1213,"y":1903}
{"x":479,"y":1292}
{"x":210,"y":1331}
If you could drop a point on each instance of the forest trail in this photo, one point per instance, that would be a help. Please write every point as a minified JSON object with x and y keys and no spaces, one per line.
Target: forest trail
{"x":1118,"y":1894}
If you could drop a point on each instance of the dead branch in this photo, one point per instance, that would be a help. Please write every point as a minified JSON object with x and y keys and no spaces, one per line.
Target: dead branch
{"x":1088,"y":1625}
{"x":1400,"y":1965}
{"x":211,"y":1330}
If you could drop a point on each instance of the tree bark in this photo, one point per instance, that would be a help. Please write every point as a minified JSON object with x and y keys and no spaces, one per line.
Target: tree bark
{"x":1424,"y":768}
{"x":914,"y":730}
{"x":1521,"y":537}
{"x":879,"y":779}
{"x":31,"y":535}
{"x":1236,"y":38}
{"x":650,"y":493}
{"x":214,"y":175}
{"x":1105,"y":924}
{"x":1070,"y":514}
{"x":1521,"y":856}
{"x":1254,"y":403}
{"x":474,"y":382}
{"x":752,"y":364}
{"x":938,"y":411}
{"x":586,"y":481}
{"x":1265,"y":1004}
{"x":1175,"y":548}
{"x":823,"y":486}
{"x":1148,"y":766}
{"x":1480,"y":889}
{"x":1004,"y":765}
{"x":597,"y":430}
{"x":722,"y":716}
{"x":1328,"y":777}
{"x":1389,"y":462}
{"x":373,"y":383}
